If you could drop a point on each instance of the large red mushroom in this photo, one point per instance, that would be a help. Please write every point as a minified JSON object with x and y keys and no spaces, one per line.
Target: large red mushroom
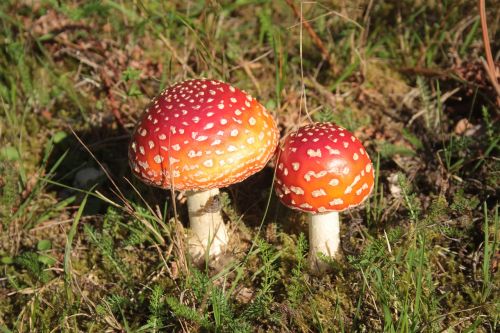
{"x":198,"y":136}
{"x":323,"y":169}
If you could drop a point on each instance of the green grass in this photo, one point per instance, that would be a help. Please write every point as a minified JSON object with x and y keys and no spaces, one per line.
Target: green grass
{"x":108,"y":254}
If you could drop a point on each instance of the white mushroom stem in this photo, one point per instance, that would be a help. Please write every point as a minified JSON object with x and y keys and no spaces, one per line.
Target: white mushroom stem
{"x":208,"y":232}
{"x":324,"y":237}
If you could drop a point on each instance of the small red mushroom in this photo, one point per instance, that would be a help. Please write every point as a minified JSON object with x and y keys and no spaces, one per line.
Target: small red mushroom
{"x":198,"y":136}
{"x":323,"y":169}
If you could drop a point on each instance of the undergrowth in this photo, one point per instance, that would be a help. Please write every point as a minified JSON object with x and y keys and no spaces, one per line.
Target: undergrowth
{"x":82,"y":252}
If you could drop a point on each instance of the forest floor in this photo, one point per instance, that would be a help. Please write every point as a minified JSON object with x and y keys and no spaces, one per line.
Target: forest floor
{"x":81,"y":251}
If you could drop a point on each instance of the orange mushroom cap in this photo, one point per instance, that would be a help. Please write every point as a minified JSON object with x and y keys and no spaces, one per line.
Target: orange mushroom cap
{"x":322,"y":167}
{"x":202,"y":134}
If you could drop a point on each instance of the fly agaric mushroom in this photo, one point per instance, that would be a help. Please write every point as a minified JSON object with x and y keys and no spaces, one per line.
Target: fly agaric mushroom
{"x":198,"y":136}
{"x":323,"y":169}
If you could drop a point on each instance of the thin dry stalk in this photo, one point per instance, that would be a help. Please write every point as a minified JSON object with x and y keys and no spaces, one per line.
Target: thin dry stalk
{"x":319,"y":43}
{"x":490,"y":66}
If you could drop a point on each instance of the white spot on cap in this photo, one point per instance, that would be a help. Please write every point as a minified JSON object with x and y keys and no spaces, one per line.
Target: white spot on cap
{"x":193,"y":153}
{"x":368,"y":167}
{"x":250,"y":140}
{"x":252,"y":121}
{"x":231,"y":148}
{"x":162,"y":136}
{"x":141,"y":149}
{"x":334,"y":182}
{"x":318,"y":193}
{"x":223,"y":121}
{"x":314,"y":153}
{"x":355,"y":156}
{"x":201,"y":138}
{"x":305,"y":205}
{"x":196,"y":120}
{"x":234,"y":132}
{"x":220,"y":106}
{"x":232,"y":99}
{"x":345,"y":171}
{"x":216,"y":142}
{"x":176,"y":147}
{"x":332,"y":151}
{"x":143,"y":132}
{"x":208,"y":126}
{"x":346,"y":144}
{"x":295,"y":166}
{"x":208,"y":163}
{"x":297,"y":190}
{"x":158,"y":159}
{"x":336,"y":202}
{"x":308,"y":175}
{"x":134,"y":146}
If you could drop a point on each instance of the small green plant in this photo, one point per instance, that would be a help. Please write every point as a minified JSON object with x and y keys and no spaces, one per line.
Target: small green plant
{"x":105,"y":243}
{"x":36,"y":266}
{"x":157,"y":310}
{"x":8,"y":192}
{"x":268,"y":275}
{"x":131,"y":76}
{"x":376,"y":207}
{"x":411,"y":200}
{"x":491,"y":246}
{"x":297,"y":287}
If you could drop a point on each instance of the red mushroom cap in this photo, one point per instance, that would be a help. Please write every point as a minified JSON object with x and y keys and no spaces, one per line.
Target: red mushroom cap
{"x":202,"y":134}
{"x":322,"y":167}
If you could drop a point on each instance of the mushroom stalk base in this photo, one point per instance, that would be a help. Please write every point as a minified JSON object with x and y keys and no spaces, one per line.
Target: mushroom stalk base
{"x":208,"y":232}
{"x":324,"y":238}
